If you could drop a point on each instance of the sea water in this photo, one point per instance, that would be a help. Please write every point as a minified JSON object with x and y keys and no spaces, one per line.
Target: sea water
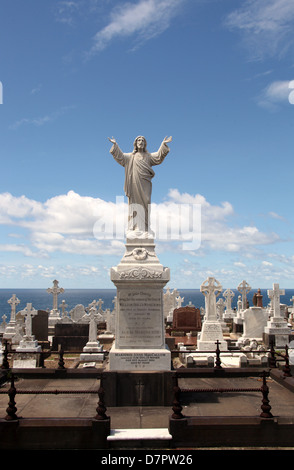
{"x":42,"y":300}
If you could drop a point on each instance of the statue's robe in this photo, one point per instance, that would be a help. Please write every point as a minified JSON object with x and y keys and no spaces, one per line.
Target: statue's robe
{"x":137,"y":185}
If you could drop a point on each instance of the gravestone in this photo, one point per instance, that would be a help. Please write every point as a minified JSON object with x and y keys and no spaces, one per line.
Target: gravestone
{"x":211,"y":330}
{"x":77,"y":313}
{"x":228,"y":295}
{"x":92,"y":351}
{"x":28,"y":343}
{"x":139,"y":334}
{"x":255,"y":320}
{"x":40,"y":325}
{"x":238,"y":319}
{"x":11,"y":330}
{"x":170,"y":301}
{"x":54,"y":315}
{"x":244,"y":288}
{"x":71,"y":336}
{"x":186,"y":319}
{"x":276,"y":332}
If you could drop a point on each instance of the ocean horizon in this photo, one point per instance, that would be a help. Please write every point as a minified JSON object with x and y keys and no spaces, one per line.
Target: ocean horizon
{"x":42,"y":300}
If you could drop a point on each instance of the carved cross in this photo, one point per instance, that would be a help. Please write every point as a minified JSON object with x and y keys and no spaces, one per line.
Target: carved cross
{"x":228,"y":295}
{"x":63,"y":306}
{"x":13,"y":301}
{"x":244,"y":288}
{"x":274,"y":295}
{"x":210,"y":288}
{"x":28,"y":312}
{"x":93,"y":325}
{"x":55,"y":290}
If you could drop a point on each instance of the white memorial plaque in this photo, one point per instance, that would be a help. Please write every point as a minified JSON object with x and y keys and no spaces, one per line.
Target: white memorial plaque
{"x":139,"y":360}
{"x":140,"y":320}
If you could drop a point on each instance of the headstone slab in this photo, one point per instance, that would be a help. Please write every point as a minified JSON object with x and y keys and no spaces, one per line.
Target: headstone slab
{"x":187,"y":319}
{"x":211,"y":333}
{"x":255,"y":320}
{"x":139,"y":327}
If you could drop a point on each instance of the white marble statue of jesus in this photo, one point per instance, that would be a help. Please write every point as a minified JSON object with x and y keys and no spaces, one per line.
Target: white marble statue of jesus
{"x":138,"y":175}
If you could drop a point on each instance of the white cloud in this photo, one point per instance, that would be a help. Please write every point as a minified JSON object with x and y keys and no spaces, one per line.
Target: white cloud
{"x":41,"y":120}
{"x":266,"y":25}
{"x":143,"y":19}
{"x":275,"y":94}
{"x":70,"y":223}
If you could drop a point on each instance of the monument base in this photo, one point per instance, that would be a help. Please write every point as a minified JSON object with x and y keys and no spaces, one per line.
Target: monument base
{"x":139,"y":359}
{"x":92,"y":357}
{"x":28,"y":345}
{"x":92,"y":352}
{"x":211,"y":333}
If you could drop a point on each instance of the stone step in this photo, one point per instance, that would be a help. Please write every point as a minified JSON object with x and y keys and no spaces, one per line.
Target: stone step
{"x":142,"y":437}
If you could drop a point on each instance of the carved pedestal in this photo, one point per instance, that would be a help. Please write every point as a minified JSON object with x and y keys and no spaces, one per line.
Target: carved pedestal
{"x":140,"y":334}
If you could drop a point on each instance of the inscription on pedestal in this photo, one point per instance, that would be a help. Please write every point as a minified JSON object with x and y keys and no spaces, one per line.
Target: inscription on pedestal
{"x":140,"y":319}
{"x":139,"y":360}
{"x":211,"y":332}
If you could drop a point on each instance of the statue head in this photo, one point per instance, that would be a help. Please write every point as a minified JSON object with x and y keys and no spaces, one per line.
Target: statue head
{"x":141,"y":137}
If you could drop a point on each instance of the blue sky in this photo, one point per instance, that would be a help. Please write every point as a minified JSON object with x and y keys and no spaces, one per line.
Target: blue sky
{"x":217,"y":75}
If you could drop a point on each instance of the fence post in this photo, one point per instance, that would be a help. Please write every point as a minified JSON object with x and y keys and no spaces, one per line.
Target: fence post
{"x":217,"y":360}
{"x":265,"y":401}
{"x":272,"y":358}
{"x":286,"y":368}
{"x":5,"y":363}
{"x":42,"y":359}
{"x":61,"y":361}
{"x":177,"y":408}
{"x":11,"y":410}
{"x":101,"y":408}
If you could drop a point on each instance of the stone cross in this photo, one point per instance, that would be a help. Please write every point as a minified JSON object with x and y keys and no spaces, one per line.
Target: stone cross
{"x":99,"y":305}
{"x":244,"y":288}
{"x":210,"y":288}
{"x":14,"y":301}
{"x":93,"y":325}
{"x":179,"y":301}
{"x":55,"y":290}
{"x":63,"y":306}
{"x":274,"y":295}
{"x":28,"y":312}
{"x":228,"y":295}
{"x":220,"y":305}
{"x":292,"y":300}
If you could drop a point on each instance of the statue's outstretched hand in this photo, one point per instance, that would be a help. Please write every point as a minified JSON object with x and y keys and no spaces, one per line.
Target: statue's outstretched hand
{"x":167,"y":139}
{"x":112,"y":140}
